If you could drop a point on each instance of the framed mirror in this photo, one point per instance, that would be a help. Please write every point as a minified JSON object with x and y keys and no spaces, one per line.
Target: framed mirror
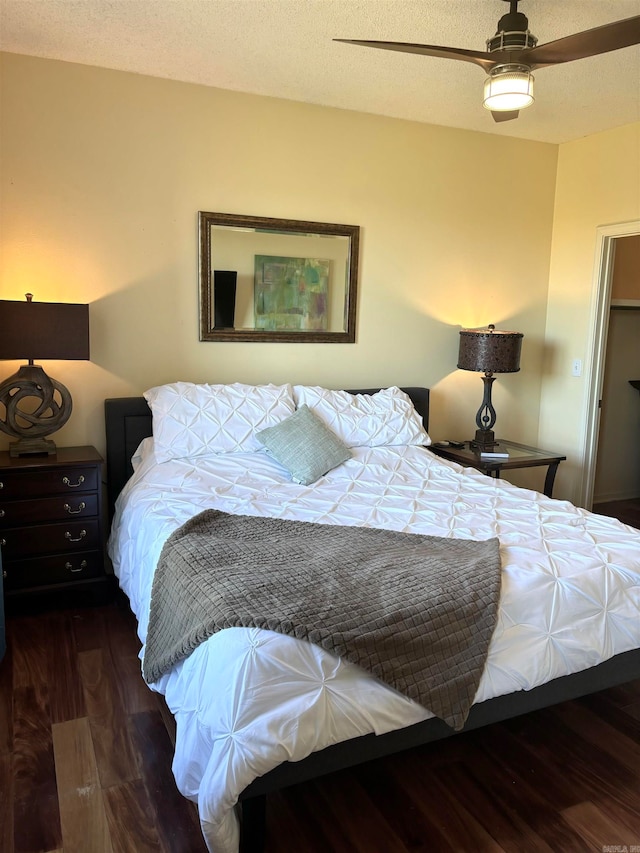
{"x":281,"y":280}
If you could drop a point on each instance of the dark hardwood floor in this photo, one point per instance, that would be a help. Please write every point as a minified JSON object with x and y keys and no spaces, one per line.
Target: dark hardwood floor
{"x":85,"y":757}
{"x":85,"y":766}
{"x":626,"y":511}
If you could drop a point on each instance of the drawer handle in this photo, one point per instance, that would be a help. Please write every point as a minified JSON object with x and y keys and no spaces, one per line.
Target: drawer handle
{"x":3,"y":542}
{"x":68,"y":536}
{"x":69,"y":566}
{"x":1,"y":513}
{"x":71,"y":485}
{"x":1,"y":485}
{"x":82,"y":505}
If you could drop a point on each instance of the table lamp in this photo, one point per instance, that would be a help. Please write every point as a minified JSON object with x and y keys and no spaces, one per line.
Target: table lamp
{"x":488,"y":351}
{"x":32,"y":405}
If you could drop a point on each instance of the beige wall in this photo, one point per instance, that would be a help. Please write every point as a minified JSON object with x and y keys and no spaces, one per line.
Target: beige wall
{"x":103,"y":174}
{"x":598,"y":184}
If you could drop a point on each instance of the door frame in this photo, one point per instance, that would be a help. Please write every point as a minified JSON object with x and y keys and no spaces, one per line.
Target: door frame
{"x":597,"y":345}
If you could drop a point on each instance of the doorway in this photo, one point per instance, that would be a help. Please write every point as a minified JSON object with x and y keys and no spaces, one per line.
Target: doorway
{"x":602,"y":305}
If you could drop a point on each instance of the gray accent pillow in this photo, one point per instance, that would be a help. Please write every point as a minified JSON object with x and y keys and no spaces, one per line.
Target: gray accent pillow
{"x":304,"y":445}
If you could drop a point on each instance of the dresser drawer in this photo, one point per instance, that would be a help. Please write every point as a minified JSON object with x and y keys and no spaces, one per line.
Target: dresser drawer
{"x":15,"y":513}
{"x":71,"y":537}
{"x":60,"y":569}
{"x":16,"y":485}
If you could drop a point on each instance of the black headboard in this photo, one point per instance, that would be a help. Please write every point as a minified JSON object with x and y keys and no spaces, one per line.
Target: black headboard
{"x":128,"y":421}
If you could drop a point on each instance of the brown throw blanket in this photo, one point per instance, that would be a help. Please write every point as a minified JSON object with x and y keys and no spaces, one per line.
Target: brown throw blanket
{"x":416,"y":611}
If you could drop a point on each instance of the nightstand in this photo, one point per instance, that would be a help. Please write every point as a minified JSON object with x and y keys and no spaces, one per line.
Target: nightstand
{"x":51,"y":529}
{"x":3,"y":639}
{"x":520,"y":456}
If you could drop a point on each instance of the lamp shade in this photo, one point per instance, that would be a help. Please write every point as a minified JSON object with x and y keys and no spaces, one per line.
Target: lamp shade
{"x":508,"y":87}
{"x":43,"y":330}
{"x":490,"y":350}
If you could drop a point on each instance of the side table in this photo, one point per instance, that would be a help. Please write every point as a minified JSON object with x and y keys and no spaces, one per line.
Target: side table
{"x":3,"y":640}
{"x":520,"y":456}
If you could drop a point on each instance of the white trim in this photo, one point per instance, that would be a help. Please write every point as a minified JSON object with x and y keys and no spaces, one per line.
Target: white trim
{"x":597,"y":345}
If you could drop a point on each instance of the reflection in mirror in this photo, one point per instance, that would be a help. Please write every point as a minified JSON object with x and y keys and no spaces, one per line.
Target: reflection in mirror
{"x":284,"y":280}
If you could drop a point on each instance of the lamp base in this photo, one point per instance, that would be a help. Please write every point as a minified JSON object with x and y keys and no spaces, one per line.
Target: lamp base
{"x":32,"y":406}
{"x":32,"y":447}
{"x":485,"y":440}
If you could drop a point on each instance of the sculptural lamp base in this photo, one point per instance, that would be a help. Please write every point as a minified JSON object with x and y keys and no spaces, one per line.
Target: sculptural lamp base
{"x":485,"y":419}
{"x":32,"y":406}
{"x":32,"y":447}
{"x":485,"y":440}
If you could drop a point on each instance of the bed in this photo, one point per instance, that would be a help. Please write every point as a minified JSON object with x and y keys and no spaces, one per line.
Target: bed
{"x":568,"y":623}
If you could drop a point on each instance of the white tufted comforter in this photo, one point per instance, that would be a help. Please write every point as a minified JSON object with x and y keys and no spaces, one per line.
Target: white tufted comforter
{"x":247,"y":700}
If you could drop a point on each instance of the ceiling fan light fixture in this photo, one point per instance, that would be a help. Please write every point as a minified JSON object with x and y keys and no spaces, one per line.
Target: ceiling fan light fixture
{"x":508,"y":87}
{"x":513,"y":53}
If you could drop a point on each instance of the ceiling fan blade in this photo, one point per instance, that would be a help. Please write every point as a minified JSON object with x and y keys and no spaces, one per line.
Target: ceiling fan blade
{"x":505,"y":115}
{"x":477,"y":57}
{"x":593,"y":42}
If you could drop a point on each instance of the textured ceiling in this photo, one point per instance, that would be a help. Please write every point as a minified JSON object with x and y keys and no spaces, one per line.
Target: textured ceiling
{"x":284,"y":48}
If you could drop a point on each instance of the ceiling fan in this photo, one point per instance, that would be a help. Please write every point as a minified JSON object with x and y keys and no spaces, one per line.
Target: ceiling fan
{"x":513,"y":53}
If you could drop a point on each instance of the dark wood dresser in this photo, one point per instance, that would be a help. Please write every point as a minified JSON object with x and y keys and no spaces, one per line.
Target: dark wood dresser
{"x":51,"y":525}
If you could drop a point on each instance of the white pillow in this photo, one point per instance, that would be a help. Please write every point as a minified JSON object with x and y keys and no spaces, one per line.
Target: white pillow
{"x":366,"y":420}
{"x":197,"y":420}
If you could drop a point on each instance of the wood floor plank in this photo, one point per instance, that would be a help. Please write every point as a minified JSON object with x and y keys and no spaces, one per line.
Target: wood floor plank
{"x":457,"y":827}
{"x":167,"y":718}
{"x":175,"y":817}
{"x":65,"y":688}
{"x":299,"y":831}
{"x":598,"y":829}
{"x":363,"y":828}
{"x":608,"y":784}
{"x":616,"y":715}
{"x":6,"y":702}
{"x":630,"y":703}
{"x":129,"y":814}
{"x":301,"y":822}
{"x":597,"y":732}
{"x":522,"y":792}
{"x":625,"y":694}
{"x":510,"y":753}
{"x":114,"y":752}
{"x":626,"y":511}
{"x":400,"y":812}
{"x":29,"y":653}
{"x":633,"y":710}
{"x":34,"y":777}
{"x":621,"y":817}
{"x":6,"y":803}
{"x":500,"y":820}
{"x":594,"y":773}
{"x":88,"y":628}
{"x":124,"y":647}
{"x":82,"y":814}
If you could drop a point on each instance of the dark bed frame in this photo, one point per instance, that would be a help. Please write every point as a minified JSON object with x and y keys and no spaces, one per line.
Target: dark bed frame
{"x":128,"y":421}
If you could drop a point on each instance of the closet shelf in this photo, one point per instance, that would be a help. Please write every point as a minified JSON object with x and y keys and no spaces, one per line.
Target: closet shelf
{"x":625,"y":303}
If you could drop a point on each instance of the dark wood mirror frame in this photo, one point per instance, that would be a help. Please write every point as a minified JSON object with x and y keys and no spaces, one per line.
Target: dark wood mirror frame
{"x":211,"y":330}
